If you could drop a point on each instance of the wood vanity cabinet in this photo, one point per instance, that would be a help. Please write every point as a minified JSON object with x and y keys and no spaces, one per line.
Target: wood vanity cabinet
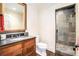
{"x":26,"y":47}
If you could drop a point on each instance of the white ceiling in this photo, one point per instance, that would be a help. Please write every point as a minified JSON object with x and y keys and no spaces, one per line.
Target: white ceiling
{"x":42,"y":5}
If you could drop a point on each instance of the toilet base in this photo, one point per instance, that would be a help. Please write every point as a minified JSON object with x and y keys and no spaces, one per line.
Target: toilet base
{"x":41,"y":53}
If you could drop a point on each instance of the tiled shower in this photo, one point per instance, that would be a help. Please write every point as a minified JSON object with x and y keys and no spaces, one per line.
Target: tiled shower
{"x":65,"y":29}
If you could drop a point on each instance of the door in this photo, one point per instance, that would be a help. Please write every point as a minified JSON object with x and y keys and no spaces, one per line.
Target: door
{"x":65,"y":30}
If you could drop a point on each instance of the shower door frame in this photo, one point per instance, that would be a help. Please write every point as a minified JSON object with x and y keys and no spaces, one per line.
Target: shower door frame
{"x":61,"y":8}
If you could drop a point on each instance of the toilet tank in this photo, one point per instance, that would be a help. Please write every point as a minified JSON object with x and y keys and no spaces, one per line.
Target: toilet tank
{"x":37,"y":38}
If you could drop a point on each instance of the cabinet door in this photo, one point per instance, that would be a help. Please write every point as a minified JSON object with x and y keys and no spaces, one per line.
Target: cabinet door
{"x":11,"y":50}
{"x":30,"y":50}
{"x":29,"y":47}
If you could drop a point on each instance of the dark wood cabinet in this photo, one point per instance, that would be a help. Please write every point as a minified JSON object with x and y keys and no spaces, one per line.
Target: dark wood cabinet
{"x":26,"y":47}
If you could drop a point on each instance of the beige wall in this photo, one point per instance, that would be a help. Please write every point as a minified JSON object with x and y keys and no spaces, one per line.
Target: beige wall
{"x":32,"y":20}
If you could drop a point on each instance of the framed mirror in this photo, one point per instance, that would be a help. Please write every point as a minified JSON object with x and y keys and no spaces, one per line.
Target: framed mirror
{"x":14,"y":17}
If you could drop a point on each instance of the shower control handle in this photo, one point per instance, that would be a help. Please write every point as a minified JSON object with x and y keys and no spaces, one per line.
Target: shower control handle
{"x":76,"y":46}
{"x":74,"y":49}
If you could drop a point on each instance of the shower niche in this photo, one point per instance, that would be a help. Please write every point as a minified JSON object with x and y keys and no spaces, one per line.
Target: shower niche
{"x":65,"y":30}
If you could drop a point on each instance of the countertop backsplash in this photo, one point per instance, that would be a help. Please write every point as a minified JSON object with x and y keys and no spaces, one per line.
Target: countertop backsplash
{"x":13,"y":35}
{"x":2,"y":36}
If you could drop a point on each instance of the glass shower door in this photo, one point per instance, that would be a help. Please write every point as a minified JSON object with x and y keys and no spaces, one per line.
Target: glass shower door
{"x":65,"y":30}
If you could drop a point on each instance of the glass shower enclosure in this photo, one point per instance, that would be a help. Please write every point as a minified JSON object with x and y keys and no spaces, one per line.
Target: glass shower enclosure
{"x":65,"y":30}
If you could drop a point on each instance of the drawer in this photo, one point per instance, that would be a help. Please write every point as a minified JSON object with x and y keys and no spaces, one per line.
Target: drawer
{"x":14,"y":53}
{"x":10,"y":50}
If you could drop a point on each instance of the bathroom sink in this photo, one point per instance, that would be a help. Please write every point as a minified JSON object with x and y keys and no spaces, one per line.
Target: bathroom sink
{"x":20,"y":38}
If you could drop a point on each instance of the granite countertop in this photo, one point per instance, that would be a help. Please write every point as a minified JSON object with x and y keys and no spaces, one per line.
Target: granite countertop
{"x":9,"y":41}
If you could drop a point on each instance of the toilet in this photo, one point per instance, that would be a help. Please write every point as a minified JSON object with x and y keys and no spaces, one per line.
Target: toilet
{"x":40,"y":47}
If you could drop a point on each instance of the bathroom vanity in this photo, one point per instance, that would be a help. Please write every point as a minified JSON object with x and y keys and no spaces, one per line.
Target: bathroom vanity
{"x":24,"y":46}
{"x":13,"y":20}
